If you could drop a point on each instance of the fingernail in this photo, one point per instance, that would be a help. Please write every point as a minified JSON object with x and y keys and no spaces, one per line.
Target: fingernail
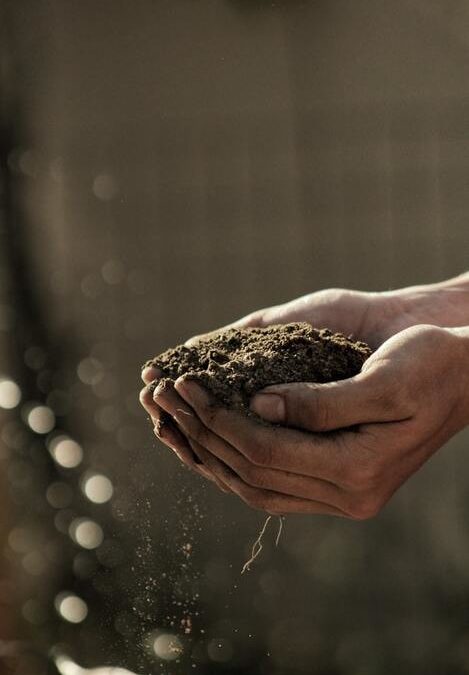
{"x":270,"y":407}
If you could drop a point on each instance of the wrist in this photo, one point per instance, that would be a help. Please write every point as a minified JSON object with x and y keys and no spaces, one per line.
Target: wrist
{"x":461,"y":334}
{"x":444,"y":303}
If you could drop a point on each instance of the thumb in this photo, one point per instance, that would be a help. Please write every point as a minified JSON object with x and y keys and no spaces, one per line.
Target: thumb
{"x":323,"y":407}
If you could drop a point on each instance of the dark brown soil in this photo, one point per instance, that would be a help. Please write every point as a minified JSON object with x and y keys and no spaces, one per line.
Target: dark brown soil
{"x":235,"y":363}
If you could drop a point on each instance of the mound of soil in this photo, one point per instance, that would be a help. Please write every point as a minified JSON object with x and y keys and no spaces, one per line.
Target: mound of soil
{"x":235,"y":363}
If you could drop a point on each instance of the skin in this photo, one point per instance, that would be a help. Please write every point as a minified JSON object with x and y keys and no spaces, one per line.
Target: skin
{"x":341,"y":448}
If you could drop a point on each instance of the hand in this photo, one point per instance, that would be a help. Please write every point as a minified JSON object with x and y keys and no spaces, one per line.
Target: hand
{"x":372,"y":317}
{"x":410,"y":398}
{"x":347,"y":311}
{"x":368,"y":316}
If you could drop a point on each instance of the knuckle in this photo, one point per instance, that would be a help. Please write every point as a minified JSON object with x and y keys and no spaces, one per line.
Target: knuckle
{"x":366,"y":508}
{"x":321,"y":416}
{"x":210,"y":415}
{"x":264,"y":502}
{"x":252,"y":475}
{"x":396,"y":398}
{"x":190,"y":342}
{"x":254,"y":319}
{"x":313,"y":407}
{"x":200,"y":434}
{"x":259,"y":452}
{"x":264,"y":456}
{"x":256,"y":499}
{"x":249,"y":496}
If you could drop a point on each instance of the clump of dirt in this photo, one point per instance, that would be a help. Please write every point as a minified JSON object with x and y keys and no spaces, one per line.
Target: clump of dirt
{"x":235,"y":363}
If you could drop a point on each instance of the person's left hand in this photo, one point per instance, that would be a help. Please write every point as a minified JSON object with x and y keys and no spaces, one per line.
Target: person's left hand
{"x":383,"y":424}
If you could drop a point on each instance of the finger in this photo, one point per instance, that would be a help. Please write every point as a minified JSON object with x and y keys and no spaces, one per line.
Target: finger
{"x":151,"y":373}
{"x":147,"y":401}
{"x":291,"y":450}
{"x":170,"y":435}
{"x":207,"y":472}
{"x":185,"y":417}
{"x":166,"y":397}
{"x":273,"y":479}
{"x":264,"y":500}
{"x":369,"y":397}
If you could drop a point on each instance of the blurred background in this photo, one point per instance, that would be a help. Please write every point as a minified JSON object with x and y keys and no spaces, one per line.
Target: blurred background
{"x":168,"y":166}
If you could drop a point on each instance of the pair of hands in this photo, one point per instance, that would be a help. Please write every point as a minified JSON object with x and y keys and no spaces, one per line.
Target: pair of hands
{"x":410,"y":398}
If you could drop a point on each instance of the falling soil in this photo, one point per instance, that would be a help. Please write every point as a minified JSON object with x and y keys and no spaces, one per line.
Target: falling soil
{"x":235,"y":363}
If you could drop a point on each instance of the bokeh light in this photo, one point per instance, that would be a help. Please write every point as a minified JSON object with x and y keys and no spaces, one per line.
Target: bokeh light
{"x":97,"y":487}
{"x":34,"y":357}
{"x":70,"y":607}
{"x":167,"y":647}
{"x":105,"y":187}
{"x":10,"y":394}
{"x":66,"y":666}
{"x":113,"y":272}
{"x":90,"y":370}
{"x":41,"y":419}
{"x":34,"y":563}
{"x":86,"y":533}
{"x":66,"y":452}
{"x":20,"y":540}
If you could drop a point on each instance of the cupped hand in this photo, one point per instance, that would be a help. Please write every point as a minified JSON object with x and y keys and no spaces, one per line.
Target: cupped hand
{"x":351,"y":312}
{"x":382,"y":424}
{"x":371,"y":317}
{"x":367,"y":316}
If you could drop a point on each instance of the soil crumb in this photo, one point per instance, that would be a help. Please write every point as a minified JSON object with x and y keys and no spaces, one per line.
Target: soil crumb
{"x":235,"y":363}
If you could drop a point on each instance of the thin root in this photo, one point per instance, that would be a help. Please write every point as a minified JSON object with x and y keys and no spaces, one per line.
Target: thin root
{"x":257,"y":546}
{"x":280,"y":529}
